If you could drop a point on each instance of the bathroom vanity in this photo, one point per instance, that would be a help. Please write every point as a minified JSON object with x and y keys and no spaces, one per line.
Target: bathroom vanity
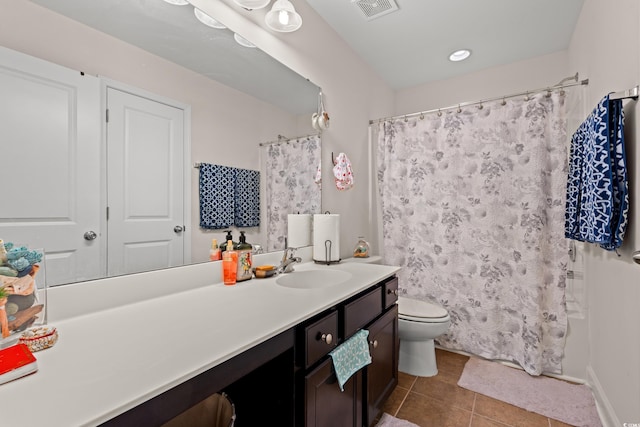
{"x":142,"y":349}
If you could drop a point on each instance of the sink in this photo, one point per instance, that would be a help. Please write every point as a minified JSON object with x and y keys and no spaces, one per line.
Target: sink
{"x":312,"y":279}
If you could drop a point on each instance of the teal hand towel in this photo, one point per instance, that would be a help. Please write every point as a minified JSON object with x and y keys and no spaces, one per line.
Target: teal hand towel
{"x":351,"y":356}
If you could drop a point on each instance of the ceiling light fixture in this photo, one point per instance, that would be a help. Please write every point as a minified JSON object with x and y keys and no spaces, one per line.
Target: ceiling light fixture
{"x":460,"y":55}
{"x":207,"y":20}
{"x":283,"y":17}
{"x":252,"y":4}
{"x":177,"y":2}
{"x":242,"y":41}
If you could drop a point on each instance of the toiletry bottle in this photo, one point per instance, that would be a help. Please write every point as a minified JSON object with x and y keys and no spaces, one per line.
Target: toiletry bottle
{"x":229,"y":264}
{"x":215,"y":254}
{"x":244,"y":250}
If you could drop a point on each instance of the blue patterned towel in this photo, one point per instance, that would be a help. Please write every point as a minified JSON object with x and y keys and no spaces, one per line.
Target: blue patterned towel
{"x":217,"y":189}
{"x":351,"y":356}
{"x":247,"y":198}
{"x":597,"y":203}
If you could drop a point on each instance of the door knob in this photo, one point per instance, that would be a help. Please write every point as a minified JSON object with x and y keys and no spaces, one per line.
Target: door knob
{"x":90,"y":235}
{"x":178,"y":229}
{"x":328,"y":338}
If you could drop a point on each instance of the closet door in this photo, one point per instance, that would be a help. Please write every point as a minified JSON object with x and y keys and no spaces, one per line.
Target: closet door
{"x":50,"y":169}
{"x":145,"y":183}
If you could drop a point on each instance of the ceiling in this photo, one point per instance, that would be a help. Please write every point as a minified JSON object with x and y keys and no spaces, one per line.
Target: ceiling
{"x":407,"y":47}
{"x":411,"y":46}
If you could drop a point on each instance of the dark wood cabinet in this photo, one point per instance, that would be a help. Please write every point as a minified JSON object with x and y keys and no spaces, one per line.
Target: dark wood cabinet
{"x":289,"y":380}
{"x":381,"y":376}
{"x":324,"y":404}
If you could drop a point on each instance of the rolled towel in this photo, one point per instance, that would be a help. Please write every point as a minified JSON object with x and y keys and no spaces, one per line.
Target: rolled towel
{"x":351,"y":356}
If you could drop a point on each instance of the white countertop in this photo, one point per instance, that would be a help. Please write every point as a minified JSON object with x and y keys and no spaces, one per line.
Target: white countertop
{"x":112,"y":359}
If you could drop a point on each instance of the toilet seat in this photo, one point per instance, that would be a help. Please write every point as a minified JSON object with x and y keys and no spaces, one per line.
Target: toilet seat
{"x":421,"y":311}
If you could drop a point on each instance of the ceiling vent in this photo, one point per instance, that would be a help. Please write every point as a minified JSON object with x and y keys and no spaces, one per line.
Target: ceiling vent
{"x":373,"y":9}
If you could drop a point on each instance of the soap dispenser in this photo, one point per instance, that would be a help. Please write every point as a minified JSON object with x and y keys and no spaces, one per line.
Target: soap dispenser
{"x":244,"y":250}
{"x":228,"y":237}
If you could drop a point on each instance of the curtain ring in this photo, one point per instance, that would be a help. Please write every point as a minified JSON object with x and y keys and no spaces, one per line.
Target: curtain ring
{"x":480,"y":107}
{"x":439,"y":113}
{"x":405,"y":119}
{"x":459,"y":109}
{"x":421,"y":116}
{"x":548,"y":95}
{"x":504,"y":102}
{"x":526,"y":98}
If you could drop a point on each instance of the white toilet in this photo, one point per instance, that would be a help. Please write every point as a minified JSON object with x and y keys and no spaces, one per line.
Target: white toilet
{"x":419,"y":322}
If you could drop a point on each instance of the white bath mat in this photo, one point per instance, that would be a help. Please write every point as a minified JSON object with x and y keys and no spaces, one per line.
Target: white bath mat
{"x":388,"y":421}
{"x":570,"y":403}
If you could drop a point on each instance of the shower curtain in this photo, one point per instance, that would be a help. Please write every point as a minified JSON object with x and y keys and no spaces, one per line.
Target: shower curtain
{"x":290,"y":184}
{"x":472,"y":208}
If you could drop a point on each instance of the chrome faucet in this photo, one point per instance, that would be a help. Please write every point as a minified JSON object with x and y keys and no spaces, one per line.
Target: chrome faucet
{"x":286,"y":265}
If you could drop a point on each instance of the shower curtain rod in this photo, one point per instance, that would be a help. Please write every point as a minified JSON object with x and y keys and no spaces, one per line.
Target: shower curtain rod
{"x":283,"y":139}
{"x":466,"y":104}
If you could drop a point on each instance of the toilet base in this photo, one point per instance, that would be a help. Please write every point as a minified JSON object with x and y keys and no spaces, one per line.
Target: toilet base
{"x":418,"y":358}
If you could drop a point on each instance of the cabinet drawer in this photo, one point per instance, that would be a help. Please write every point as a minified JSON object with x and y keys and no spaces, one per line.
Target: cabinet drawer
{"x":390,"y":292}
{"x":362,"y":311}
{"x":320,"y":338}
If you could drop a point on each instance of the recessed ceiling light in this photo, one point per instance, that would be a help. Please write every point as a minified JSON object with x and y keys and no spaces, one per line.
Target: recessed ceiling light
{"x":460,"y":55}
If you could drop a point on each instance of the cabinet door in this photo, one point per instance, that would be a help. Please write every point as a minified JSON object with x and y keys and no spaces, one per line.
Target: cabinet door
{"x":382,"y":373}
{"x":326,"y":405}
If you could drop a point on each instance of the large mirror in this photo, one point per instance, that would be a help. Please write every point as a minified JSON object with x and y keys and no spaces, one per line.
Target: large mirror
{"x":234,"y":98}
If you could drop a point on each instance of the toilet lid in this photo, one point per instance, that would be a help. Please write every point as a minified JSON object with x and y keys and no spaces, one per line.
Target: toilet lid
{"x":416,"y":308}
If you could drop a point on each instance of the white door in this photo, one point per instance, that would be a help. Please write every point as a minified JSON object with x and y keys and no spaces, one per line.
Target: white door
{"x":50,"y":164}
{"x":145,"y":190}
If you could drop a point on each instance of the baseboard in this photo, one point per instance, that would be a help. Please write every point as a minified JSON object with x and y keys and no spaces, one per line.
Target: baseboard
{"x":605,"y":410}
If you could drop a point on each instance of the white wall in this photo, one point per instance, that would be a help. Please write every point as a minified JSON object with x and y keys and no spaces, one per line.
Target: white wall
{"x":606,"y":48}
{"x":535,"y":73}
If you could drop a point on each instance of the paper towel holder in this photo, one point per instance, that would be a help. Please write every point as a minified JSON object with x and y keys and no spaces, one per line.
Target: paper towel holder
{"x":327,"y":254}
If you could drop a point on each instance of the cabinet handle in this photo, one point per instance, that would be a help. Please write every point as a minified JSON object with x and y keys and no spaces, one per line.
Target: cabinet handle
{"x":393,"y":291}
{"x":374,"y":343}
{"x":328,"y":338}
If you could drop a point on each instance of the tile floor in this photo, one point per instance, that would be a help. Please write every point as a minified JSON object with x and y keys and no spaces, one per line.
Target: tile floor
{"x":439,"y":402}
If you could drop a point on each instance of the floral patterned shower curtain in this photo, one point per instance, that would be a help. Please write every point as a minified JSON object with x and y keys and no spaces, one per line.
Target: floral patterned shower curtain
{"x":473,"y":210}
{"x":290,"y":170}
